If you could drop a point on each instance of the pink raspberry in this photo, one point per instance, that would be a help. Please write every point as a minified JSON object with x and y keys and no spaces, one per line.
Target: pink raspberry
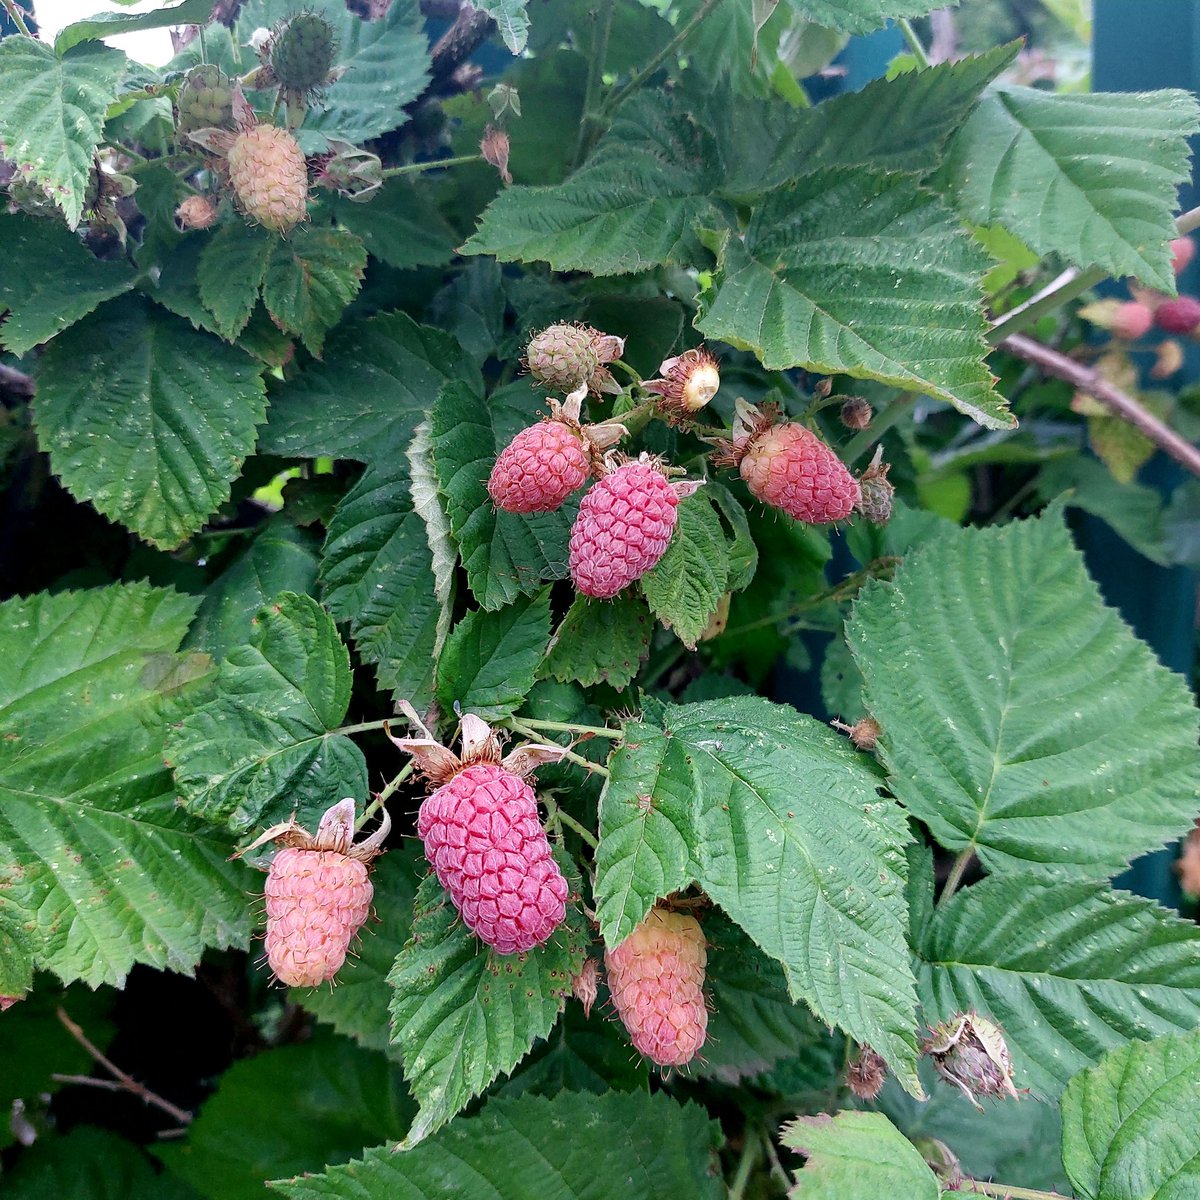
{"x":656,"y":978}
{"x":624,"y":526}
{"x":1131,"y":320}
{"x":539,"y":468}
{"x":1181,"y":315}
{"x":788,"y":467}
{"x":1183,"y":250}
{"x":488,"y":849}
{"x":317,"y":900}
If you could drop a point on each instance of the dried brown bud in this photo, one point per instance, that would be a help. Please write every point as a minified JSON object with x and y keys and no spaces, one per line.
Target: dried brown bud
{"x":969,"y":1051}
{"x":494,"y":149}
{"x":864,"y":734}
{"x":196,"y":212}
{"x":875,"y":498}
{"x":585,"y":985}
{"x":856,"y":413}
{"x":866,"y":1074}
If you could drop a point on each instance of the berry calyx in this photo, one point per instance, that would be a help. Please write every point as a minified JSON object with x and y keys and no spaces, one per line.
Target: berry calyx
{"x":656,"y":978}
{"x":970,"y":1052}
{"x":875,"y":492}
{"x":689,"y":381}
{"x":586,"y":985}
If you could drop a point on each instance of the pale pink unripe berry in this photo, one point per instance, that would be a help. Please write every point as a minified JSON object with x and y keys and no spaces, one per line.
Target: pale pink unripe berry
{"x":269,"y":177}
{"x":624,"y":527}
{"x":487,"y":847}
{"x":788,"y":467}
{"x":1183,"y":250}
{"x":316,"y":900}
{"x":656,"y":978}
{"x":539,"y":468}
{"x":6,"y":1002}
{"x":1131,"y":320}
{"x":1181,"y":315}
{"x":196,"y":212}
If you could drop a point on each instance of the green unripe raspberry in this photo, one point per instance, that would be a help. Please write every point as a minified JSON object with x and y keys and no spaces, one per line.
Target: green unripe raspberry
{"x":301,"y":53}
{"x":205,"y":100}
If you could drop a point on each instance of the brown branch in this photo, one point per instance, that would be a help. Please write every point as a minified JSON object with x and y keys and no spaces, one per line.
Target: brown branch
{"x":470,"y":30}
{"x":15,"y":383}
{"x":1119,"y":403}
{"x":123,"y":1081}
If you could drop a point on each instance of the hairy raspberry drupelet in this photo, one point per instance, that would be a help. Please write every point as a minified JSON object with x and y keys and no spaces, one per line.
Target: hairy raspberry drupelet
{"x":269,"y":177}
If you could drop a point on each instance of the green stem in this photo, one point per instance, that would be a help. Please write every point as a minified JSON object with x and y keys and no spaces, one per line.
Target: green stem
{"x":388,"y":792}
{"x":14,"y":12}
{"x":1006,"y":1191}
{"x":961,"y":863}
{"x":557,"y":813}
{"x":417,"y":168}
{"x":589,"y":117}
{"x":129,"y":152}
{"x":750,"y":1148}
{"x":914,"y":42}
{"x":362,"y":726}
{"x":620,"y":362}
{"x":861,"y":442}
{"x":615,"y":99}
{"x":582,"y":730}
{"x":578,"y":759}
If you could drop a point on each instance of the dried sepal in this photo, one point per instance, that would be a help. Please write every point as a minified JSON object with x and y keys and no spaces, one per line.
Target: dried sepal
{"x":688,"y":382}
{"x":970,"y":1052}
{"x":866,"y":1074}
{"x":335,"y":831}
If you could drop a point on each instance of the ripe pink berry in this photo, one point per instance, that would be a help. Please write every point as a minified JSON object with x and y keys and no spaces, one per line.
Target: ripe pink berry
{"x":1131,"y":320}
{"x":6,"y":1002}
{"x":317,"y":900}
{"x":488,"y":849}
{"x":624,"y":526}
{"x":539,"y":468}
{"x":789,"y":467}
{"x":1181,"y":315}
{"x":656,"y":978}
{"x":1183,"y":250}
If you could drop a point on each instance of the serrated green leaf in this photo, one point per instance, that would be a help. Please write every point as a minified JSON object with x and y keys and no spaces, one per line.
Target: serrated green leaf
{"x":781,"y":824}
{"x":109,"y":24}
{"x":635,"y":203}
{"x":158,"y":445}
{"x":859,"y":16}
{"x":358,"y":1006}
{"x":490,"y":659}
{"x":1021,"y":718}
{"x":1126,"y":1128}
{"x":857,"y":1156}
{"x":52,"y":111}
{"x":463,"y":1014}
{"x":337,"y":1097}
{"x":280,"y":558}
{"x":376,"y":575}
{"x":101,"y":867}
{"x":263,"y":747}
{"x":230,"y":273}
{"x":472,"y":306}
{"x":740,"y":548}
{"x":864,"y":274}
{"x":310,"y":278}
{"x":398,"y":225}
{"x":365,"y":397}
{"x":511,"y":20}
{"x":1092,"y":177}
{"x":1069,"y":970}
{"x":685,"y":586}
{"x":601,"y":641}
{"x":504,"y":554}
{"x":624,"y":1146}
{"x":16,"y":956}
{"x":59,"y":281}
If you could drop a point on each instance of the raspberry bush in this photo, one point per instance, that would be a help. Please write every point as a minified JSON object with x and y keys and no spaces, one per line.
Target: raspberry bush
{"x":544,"y":644}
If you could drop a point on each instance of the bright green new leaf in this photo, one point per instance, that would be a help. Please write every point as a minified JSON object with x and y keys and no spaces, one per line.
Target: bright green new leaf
{"x":1091,"y":177}
{"x":59,"y":281}
{"x":601,"y":641}
{"x":864,"y":274}
{"x":463,"y":1014}
{"x":1069,"y":970}
{"x":158,"y":445}
{"x":780,"y":822}
{"x":857,"y":1156}
{"x":264,"y":746}
{"x":1128,"y":1132}
{"x":376,"y":575}
{"x":1021,"y":718}
{"x":101,"y":868}
{"x":490,"y":659}
{"x":52,"y":110}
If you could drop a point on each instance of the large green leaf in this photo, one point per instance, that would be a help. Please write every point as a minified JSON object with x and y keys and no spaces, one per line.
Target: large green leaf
{"x":622,"y":1146}
{"x":601,"y":641}
{"x":376,"y":574}
{"x":263,"y":747}
{"x":463,"y":1014}
{"x":365,"y":397}
{"x":1021,"y":718}
{"x":490,"y":659}
{"x":107,"y":24}
{"x":1127,"y":1127}
{"x":861,"y":273}
{"x":1090,"y":177}
{"x":100,"y":865}
{"x":505,"y":554}
{"x":857,"y":1156}
{"x":1069,"y":970}
{"x":158,"y":445}
{"x":859,"y":16}
{"x":59,"y":281}
{"x":338,"y":1096}
{"x":52,"y":111}
{"x":399,"y":225}
{"x":230,"y":272}
{"x":780,"y":822}
{"x":636,"y":202}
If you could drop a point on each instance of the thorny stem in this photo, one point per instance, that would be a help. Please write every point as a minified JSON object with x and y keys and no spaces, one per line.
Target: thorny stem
{"x":18,"y":20}
{"x":388,"y":792}
{"x":750,"y":1150}
{"x":567,"y":727}
{"x":961,"y":863}
{"x":1006,"y":1191}
{"x":914,"y":42}
{"x":578,"y":759}
{"x":417,"y":168}
{"x":595,"y":75}
{"x":636,"y":81}
{"x":124,"y":1082}
{"x":557,"y":814}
